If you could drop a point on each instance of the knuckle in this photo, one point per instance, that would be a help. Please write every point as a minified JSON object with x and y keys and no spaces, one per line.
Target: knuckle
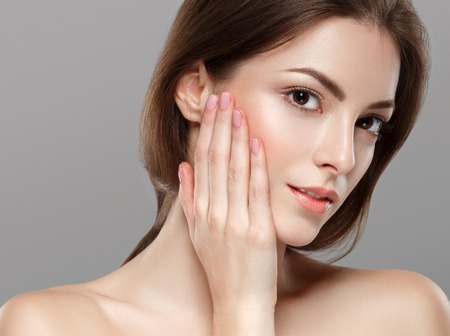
{"x":236,"y":228}
{"x":199,"y":208}
{"x":257,"y":236}
{"x":256,"y":193}
{"x":199,"y":153}
{"x":214,"y":156}
{"x":215,"y":220}
{"x":233,"y":175}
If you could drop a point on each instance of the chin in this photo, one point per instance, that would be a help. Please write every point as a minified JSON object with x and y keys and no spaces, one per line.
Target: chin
{"x":298,"y":235}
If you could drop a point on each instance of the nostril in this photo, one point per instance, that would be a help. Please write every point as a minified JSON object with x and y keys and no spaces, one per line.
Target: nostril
{"x":338,"y":161}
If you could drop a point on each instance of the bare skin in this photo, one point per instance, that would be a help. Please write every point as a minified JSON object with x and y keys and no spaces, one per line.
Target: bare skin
{"x":163,"y":292}
{"x":220,"y":265}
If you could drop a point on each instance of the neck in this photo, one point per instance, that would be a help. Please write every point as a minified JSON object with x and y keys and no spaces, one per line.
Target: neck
{"x":169,"y":269}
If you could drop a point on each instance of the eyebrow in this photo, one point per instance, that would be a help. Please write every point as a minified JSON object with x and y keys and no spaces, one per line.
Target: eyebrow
{"x":385,"y":104}
{"x":324,"y":80}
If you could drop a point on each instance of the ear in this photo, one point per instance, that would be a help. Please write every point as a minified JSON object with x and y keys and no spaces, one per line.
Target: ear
{"x":193,"y":89}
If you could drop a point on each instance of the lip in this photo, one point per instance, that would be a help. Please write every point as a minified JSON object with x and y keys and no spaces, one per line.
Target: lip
{"x":315,"y":199}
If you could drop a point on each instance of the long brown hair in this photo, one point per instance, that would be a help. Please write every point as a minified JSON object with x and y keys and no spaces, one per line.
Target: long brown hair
{"x":226,"y":33}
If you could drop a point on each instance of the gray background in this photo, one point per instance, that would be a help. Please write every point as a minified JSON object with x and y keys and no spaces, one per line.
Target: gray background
{"x":73,"y":198}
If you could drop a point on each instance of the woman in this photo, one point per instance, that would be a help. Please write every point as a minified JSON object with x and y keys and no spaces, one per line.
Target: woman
{"x":265,"y":129}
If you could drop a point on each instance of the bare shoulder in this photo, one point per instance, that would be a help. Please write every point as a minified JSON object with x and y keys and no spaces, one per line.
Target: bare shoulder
{"x":365,"y":302}
{"x":62,"y":310}
{"x":403,"y":302}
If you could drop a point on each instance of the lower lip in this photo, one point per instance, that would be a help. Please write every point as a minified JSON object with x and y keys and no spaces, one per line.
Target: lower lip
{"x":310,"y":203}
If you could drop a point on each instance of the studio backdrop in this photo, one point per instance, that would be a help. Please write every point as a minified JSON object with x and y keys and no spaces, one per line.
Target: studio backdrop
{"x":74,"y":199}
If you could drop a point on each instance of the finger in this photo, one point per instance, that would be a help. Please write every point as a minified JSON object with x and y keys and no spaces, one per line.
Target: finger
{"x":186,"y":195}
{"x":239,"y":169}
{"x":219,"y":157}
{"x":201,"y":169}
{"x":259,"y":199}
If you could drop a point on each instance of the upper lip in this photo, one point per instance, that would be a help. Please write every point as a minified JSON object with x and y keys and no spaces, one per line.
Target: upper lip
{"x":319,"y":191}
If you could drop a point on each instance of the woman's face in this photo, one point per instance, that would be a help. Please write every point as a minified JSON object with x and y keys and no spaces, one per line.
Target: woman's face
{"x":318,"y":103}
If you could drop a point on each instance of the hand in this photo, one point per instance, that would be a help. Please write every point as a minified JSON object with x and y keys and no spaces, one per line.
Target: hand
{"x":226,"y":203}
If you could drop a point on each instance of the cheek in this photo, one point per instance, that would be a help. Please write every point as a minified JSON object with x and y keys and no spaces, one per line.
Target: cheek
{"x":363,"y":159}
{"x":283,"y":137}
{"x":276,"y":124}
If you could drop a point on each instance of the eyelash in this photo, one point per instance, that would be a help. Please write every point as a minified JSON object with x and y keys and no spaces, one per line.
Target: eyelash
{"x":311,"y":93}
{"x":384,"y":128}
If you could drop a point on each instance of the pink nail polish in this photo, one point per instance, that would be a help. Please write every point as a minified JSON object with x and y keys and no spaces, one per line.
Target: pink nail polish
{"x":225,"y":100}
{"x":255,"y":146}
{"x":237,"y":118}
{"x":211,"y":104}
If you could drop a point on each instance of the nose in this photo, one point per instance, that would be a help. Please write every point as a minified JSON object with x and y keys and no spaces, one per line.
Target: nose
{"x":334,"y":149}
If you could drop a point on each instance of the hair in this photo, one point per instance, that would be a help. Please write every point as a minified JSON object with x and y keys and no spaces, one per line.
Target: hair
{"x":223,"y":34}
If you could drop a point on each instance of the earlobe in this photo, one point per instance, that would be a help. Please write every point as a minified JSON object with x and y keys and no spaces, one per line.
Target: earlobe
{"x":192,"y":92}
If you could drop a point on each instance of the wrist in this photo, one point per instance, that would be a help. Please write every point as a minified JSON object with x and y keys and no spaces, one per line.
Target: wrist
{"x":244,"y":319}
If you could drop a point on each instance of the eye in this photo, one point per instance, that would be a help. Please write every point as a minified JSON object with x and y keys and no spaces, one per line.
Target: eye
{"x":304,"y":98}
{"x":371,"y":124}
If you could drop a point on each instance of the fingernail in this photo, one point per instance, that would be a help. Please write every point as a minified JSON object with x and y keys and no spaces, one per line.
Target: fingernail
{"x":211,"y":104}
{"x":255,"y":146}
{"x":180,"y":172}
{"x":225,"y":99}
{"x":237,"y":118}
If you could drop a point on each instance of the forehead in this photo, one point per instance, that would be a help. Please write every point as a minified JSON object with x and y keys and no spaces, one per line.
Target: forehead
{"x":344,"y":49}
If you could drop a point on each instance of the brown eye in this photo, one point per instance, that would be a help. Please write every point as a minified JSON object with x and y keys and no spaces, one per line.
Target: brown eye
{"x":304,"y":99}
{"x":366,"y":123}
{"x":301,"y":97}
{"x":371,"y":124}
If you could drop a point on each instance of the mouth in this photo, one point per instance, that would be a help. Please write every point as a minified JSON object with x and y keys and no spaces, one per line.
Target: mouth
{"x":313,"y":195}
{"x":315,"y":199}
